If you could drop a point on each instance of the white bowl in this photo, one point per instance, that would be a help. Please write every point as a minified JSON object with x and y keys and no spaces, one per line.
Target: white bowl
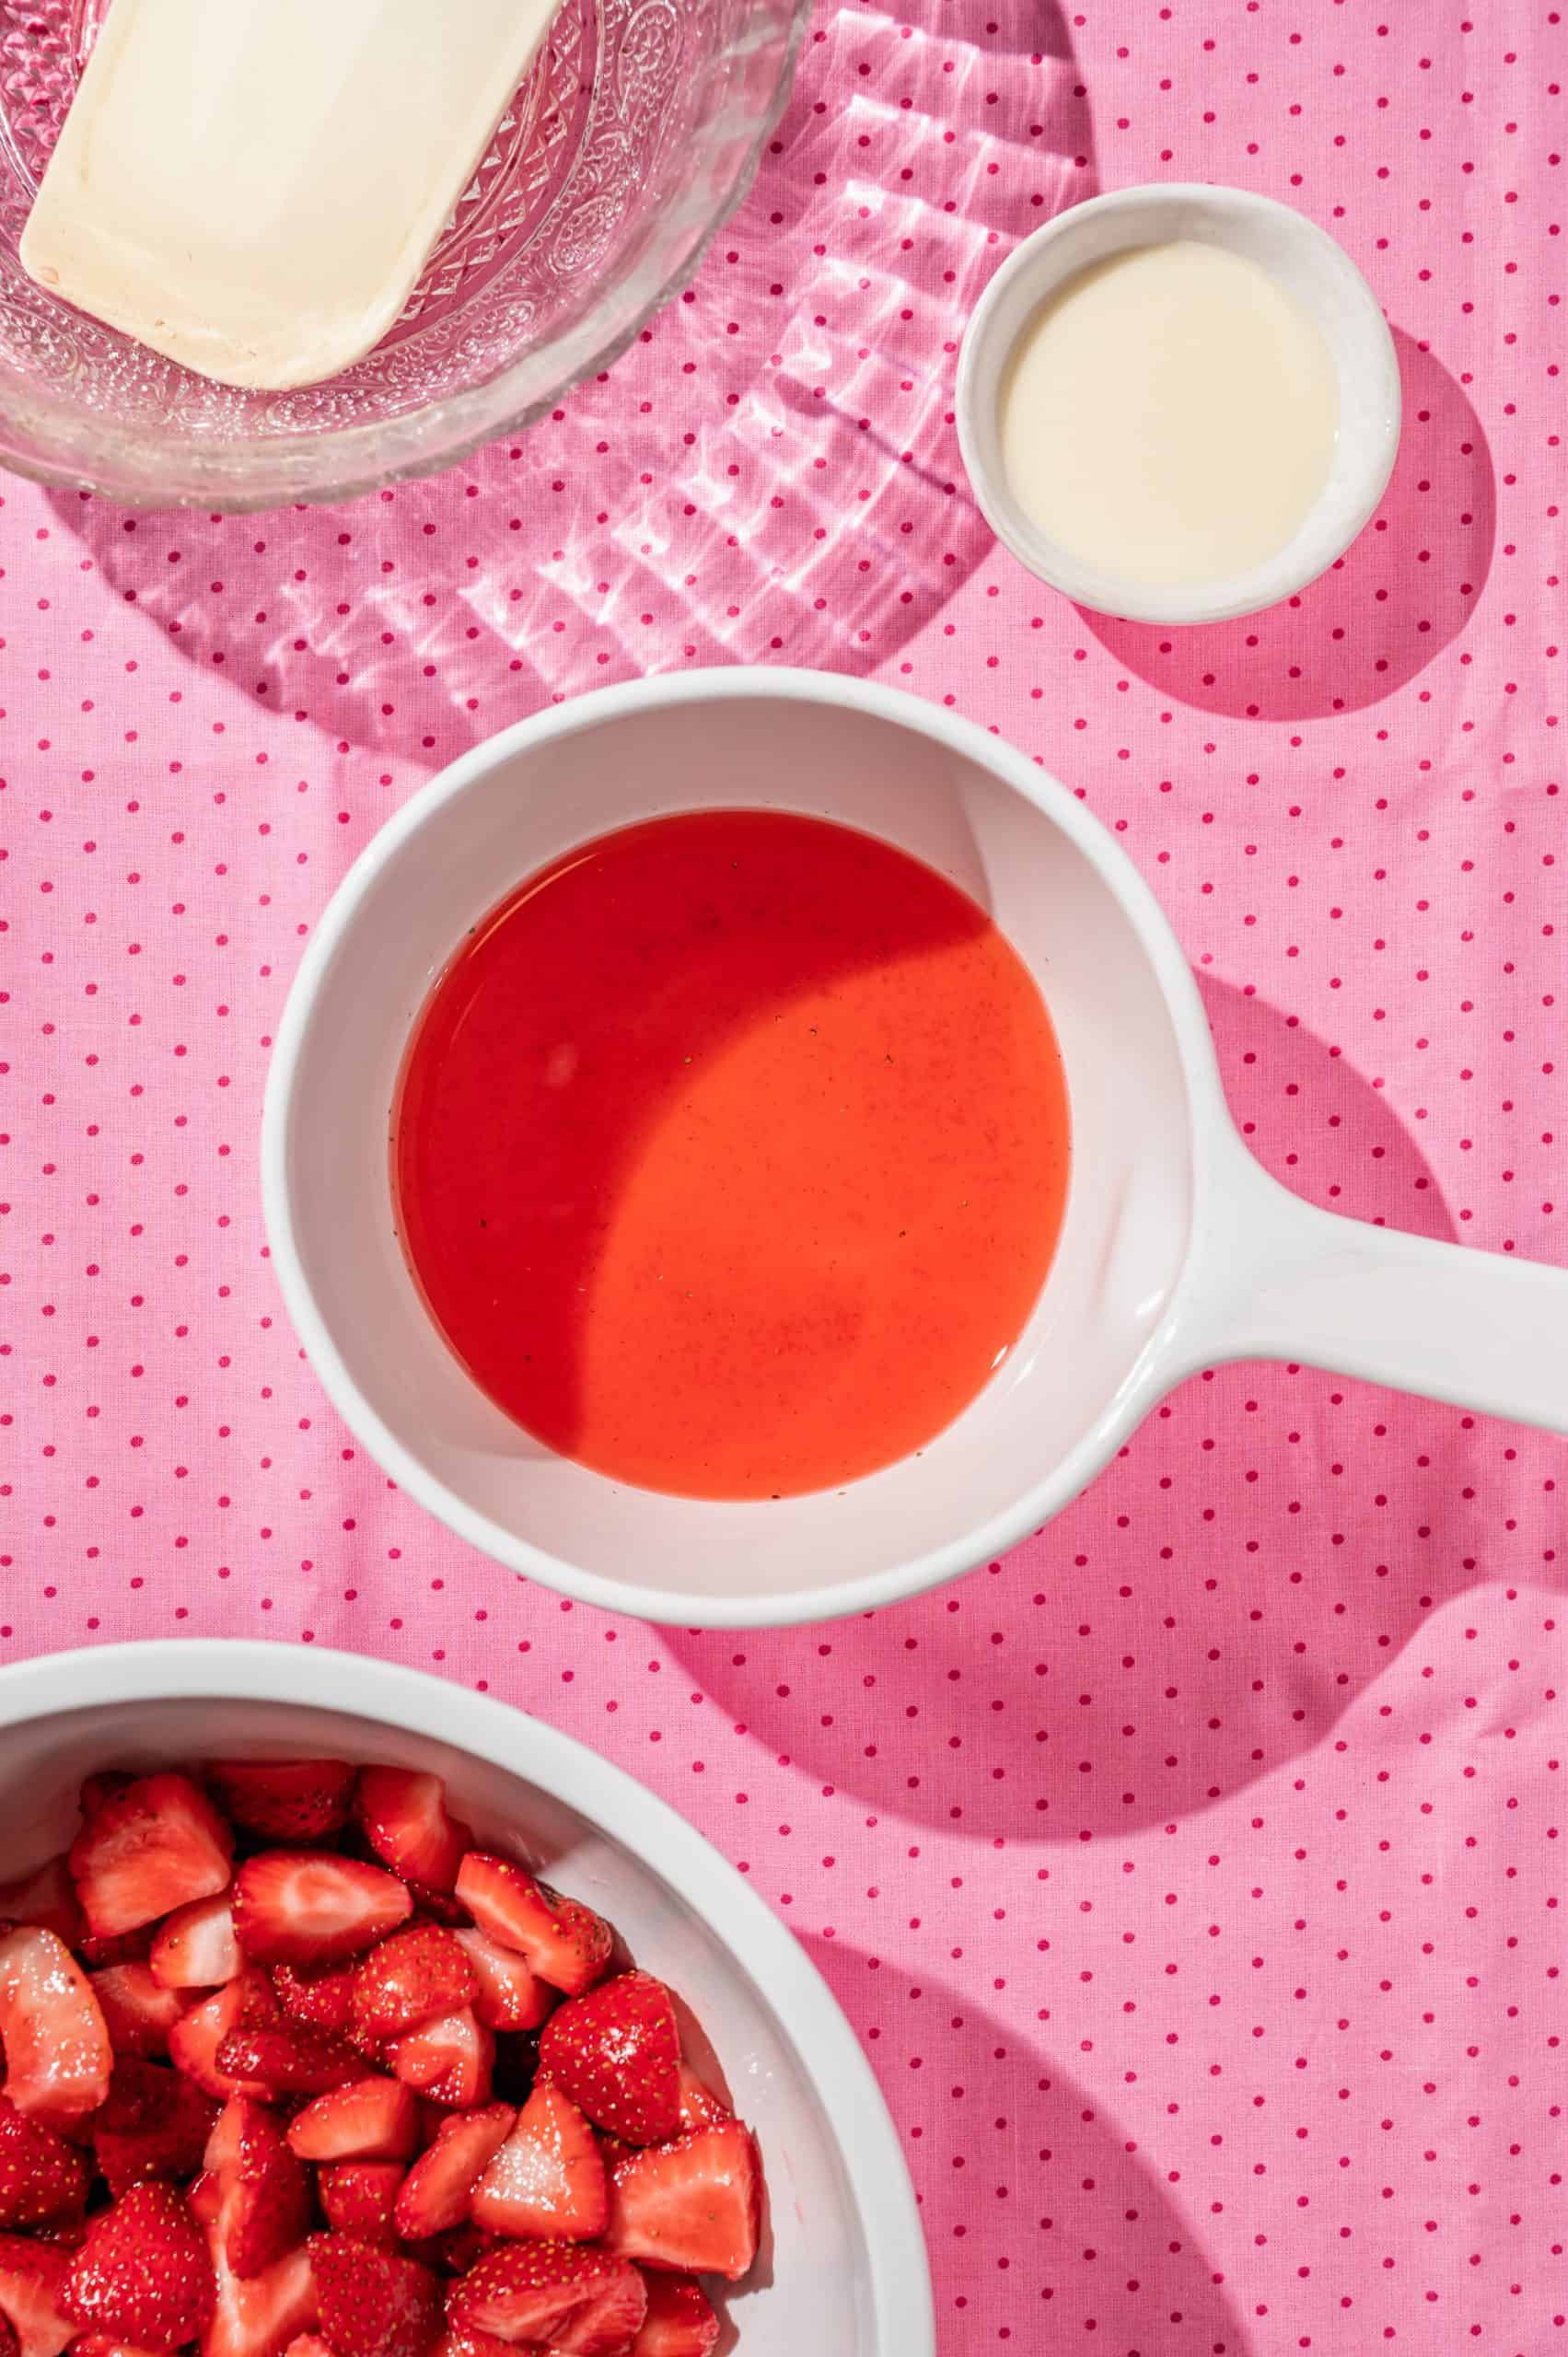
{"x":1306,"y":261}
{"x":843,"y":2270}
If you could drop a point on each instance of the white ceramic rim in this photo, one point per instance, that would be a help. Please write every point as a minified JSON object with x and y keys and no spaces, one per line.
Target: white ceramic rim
{"x":181,"y":1669}
{"x":1233,"y":594}
{"x":1150,"y":1378}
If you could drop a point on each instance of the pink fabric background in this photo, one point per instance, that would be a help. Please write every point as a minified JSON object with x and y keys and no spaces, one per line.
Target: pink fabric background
{"x":1193,"y":1875}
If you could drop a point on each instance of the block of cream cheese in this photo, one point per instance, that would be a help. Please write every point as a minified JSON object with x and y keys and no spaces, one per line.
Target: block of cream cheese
{"x":253,"y":187}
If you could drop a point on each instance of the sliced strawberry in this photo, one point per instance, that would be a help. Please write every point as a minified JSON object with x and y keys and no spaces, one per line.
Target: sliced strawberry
{"x":143,"y":2274}
{"x":323,"y":1995}
{"x":307,"y":2344}
{"x":41,"y":2176}
{"x":680,"y":2321}
{"x":263,"y":2192}
{"x":511,"y":1996}
{"x":374,"y":2303}
{"x":410,"y":1978}
{"x":154,"y":2123}
{"x":617,"y":2054}
{"x":194,"y":2041}
{"x":450,"y":2059}
{"x":260,"y":2315}
{"x":288,"y":2057}
{"x":284,"y":1800}
{"x":195,"y":1946}
{"x":547,"y":2179}
{"x":33,"y":2282}
{"x":358,"y":2198}
{"x":312,"y":1907}
{"x":403,"y":1816}
{"x":48,"y":1898}
{"x":700,"y":2108}
{"x":568,"y":2296}
{"x":58,"y":2057}
{"x":138,"y":2014}
{"x":155,"y":1846}
{"x":434,"y":2197}
{"x":373,"y":2119}
{"x":693,"y":2205}
{"x":564,"y":1942}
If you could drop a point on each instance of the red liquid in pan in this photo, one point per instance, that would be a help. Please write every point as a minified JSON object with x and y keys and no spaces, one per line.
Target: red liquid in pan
{"x":731,"y":1154}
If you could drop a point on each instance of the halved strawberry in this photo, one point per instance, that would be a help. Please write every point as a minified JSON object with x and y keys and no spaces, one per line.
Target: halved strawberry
{"x":263,"y":2192}
{"x":322,"y":1994}
{"x":567,"y":2295}
{"x":511,"y":1996}
{"x":260,"y":2315}
{"x":137,"y":2013}
{"x":450,"y":2059}
{"x":403,"y":1816}
{"x":312,"y":1907}
{"x":154,"y":2123}
{"x":564,"y":1942}
{"x":307,"y":2344}
{"x":547,"y":2179}
{"x":284,"y":1800}
{"x":359,"y":2197}
{"x":434,"y":2195}
{"x":692,"y":2206}
{"x":700,"y":2108}
{"x":373,"y":2119}
{"x":58,"y":2057}
{"x":194,"y":2041}
{"x":617,"y":2054}
{"x":288,"y":2057}
{"x":32,"y":2281}
{"x":41,"y":2176}
{"x":680,"y":2321}
{"x":47,"y":1897}
{"x":373,"y":2303}
{"x":410,"y":1978}
{"x":155,"y":1846}
{"x":143,"y":2274}
{"x":195,"y":1946}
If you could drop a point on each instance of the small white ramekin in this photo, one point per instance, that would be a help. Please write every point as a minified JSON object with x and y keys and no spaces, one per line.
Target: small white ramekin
{"x":1323,"y":278}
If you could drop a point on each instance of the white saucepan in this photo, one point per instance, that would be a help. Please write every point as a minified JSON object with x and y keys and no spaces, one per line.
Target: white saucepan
{"x":1177,"y":1250}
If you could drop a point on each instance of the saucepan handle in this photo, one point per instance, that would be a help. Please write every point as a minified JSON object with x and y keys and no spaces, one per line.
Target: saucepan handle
{"x":1272,"y":1277}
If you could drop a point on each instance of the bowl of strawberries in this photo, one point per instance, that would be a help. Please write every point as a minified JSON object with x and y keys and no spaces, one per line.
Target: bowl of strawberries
{"x":346,"y":2013}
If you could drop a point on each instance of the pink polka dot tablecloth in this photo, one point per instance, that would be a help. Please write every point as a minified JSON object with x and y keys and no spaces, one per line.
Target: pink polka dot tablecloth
{"x":1193,"y":1875}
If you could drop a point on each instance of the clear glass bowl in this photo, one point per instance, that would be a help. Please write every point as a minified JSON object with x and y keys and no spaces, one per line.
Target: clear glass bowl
{"x":637,"y":133}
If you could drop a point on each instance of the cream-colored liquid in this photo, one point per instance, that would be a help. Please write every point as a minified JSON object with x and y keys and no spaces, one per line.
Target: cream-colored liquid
{"x":1171,"y":414}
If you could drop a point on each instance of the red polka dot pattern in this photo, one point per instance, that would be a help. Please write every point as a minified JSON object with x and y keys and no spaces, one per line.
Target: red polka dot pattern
{"x":1193,"y":1875}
